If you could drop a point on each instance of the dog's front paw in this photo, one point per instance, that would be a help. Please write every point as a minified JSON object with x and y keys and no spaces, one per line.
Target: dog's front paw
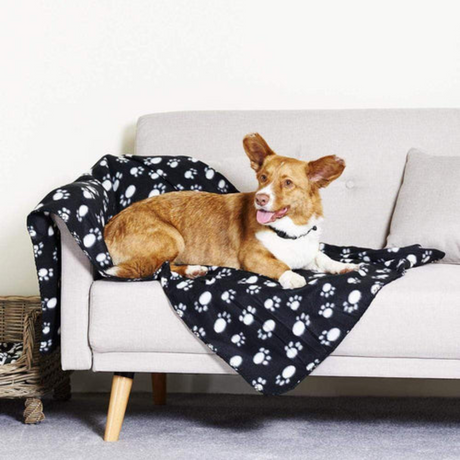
{"x":347,"y":268}
{"x":291,"y":280}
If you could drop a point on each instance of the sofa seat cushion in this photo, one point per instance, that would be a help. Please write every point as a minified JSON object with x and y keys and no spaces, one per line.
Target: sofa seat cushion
{"x":417,"y":316}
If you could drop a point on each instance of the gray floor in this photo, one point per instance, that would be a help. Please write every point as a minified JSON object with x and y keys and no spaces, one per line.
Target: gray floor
{"x":238,"y":427}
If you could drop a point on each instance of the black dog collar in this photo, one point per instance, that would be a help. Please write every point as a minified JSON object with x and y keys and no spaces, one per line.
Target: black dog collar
{"x":285,"y":236}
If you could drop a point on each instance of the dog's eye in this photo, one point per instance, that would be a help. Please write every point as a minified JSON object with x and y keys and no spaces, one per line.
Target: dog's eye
{"x":288,"y":182}
{"x":263,"y":178}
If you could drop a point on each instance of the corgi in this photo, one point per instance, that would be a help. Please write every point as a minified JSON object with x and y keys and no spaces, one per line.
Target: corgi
{"x":271,"y":231}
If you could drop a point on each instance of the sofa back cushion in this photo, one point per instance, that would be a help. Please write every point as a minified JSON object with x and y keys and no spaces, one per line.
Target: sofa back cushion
{"x":428,"y":206}
{"x":374,"y":143}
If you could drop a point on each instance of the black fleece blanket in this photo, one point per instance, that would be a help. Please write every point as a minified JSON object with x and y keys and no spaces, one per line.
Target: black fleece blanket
{"x":272,"y":337}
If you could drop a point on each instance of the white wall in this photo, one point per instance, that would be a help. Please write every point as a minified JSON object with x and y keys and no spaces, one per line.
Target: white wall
{"x":75,"y":75}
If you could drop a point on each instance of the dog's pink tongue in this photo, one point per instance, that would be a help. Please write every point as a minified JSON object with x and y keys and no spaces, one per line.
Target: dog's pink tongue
{"x":264,"y":217}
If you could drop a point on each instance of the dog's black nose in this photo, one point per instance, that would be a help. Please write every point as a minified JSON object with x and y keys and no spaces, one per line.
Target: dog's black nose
{"x":262,"y":199}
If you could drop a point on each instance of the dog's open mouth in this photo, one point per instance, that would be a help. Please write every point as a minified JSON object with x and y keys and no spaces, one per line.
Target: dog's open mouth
{"x":265,"y":217}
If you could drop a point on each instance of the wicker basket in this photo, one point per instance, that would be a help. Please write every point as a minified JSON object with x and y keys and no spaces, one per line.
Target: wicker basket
{"x":32,"y":375}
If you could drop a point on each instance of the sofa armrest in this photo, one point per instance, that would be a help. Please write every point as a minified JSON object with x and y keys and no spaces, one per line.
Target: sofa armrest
{"x":76,"y":280}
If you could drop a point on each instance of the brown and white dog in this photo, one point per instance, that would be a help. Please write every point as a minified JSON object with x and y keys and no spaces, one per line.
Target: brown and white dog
{"x":271,"y":231}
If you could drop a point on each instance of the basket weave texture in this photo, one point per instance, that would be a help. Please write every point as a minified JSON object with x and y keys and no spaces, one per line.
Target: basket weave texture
{"x":32,"y":375}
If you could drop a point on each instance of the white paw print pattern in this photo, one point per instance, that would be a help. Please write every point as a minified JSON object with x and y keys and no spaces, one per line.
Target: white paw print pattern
{"x":116,"y":180}
{"x":380,"y":276}
{"x":376,"y":287}
{"x":270,"y":283}
{"x":273,"y":303}
{"x":426,"y":256}
{"x":31,"y":231}
{"x":180,"y":309}
{"x":44,"y":274}
{"x":327,"y":337}
{"x":236,"y":361}
{"x":223,"y":273}
{"x":222,"y":186}
{"x":103,"y":258}
{"x":64,"y":214}
{"x":292,"y":349}
{"x":328,"y":290}
{"x":76,"y":236}
{"x":247,"y":315}
{"x":153,"y":161}
{"x":94,"y":235}
{"x":136,"y":171}
{"x":353,"y":280}
{"x":158,"y":189}
{"x":100,"y":218}
{"x":46,"y":329}
{"x":196,"y":188}
{"x":90,"y":192}
{"x":266,"y":331}
{"x":301,"y":323}
{"x":45,"y":345}
{"x":38,"y":249}
{"x":173,"y":162}
{"x":198,"y":331}
{"x":327,"y":310}
{"x":82,"y":211}
{"x":209,"y":173}
{"x":191,"y":173}
{"x":228,"y":296}
{"x":294,"y":302}
{"x":49,"y":304}
{"x":251,"y":280}
{"x":126,"y":198}
{"x":364,"y":257}
{"x":238,"y":339}
{"x":203,"y":301}
{"x":55,"y":255}
{"x":164,"y":281}
{"x":61,"y":194}
{"x":262,"y":357}
{"x":156,"y":174}
{"x":185,"y":285}
{"x":312,"y":365}
{"x":285,"y":377}
{"x":352,"y":304}
{"x":253,"y":289}
{"x":122,"y":159}
{"x":259,"y":383}
{"x":223,"y":319}
{"x":107,"y":182}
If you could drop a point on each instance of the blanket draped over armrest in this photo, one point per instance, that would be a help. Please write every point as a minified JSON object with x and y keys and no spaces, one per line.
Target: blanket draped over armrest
{"x":272,"y":337}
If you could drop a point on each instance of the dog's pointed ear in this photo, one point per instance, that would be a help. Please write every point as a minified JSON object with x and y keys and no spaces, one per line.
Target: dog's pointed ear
{"x":256,"y":149}
{"x":324,"y":170}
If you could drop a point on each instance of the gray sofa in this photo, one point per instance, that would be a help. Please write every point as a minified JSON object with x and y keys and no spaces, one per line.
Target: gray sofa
{"x":131,"y":327}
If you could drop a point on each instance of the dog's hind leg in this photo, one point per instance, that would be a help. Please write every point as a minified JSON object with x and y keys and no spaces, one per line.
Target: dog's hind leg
{"x":189,"y":271}
{"x":141,"y":255}
{"x":137,"y":267}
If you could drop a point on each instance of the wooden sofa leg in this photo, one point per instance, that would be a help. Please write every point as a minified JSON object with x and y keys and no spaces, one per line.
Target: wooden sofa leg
{"x":33,"y":412}
{"x":159,"y":389}
{"x":121,"y":388}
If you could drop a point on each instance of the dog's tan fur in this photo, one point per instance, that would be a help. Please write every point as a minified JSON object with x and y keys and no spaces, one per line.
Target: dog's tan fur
{"x":198,"y":228}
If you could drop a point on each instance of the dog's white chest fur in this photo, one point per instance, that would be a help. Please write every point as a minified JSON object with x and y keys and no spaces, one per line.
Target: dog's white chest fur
{"x":298,"y":253}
